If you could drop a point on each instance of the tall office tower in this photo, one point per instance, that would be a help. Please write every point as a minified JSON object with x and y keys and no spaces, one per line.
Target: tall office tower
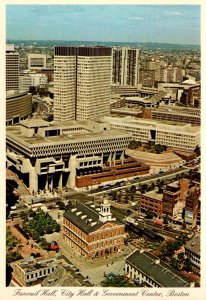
{"x":125,"y":69}
{"x":81,"y":82}
{"x":12,"y":68}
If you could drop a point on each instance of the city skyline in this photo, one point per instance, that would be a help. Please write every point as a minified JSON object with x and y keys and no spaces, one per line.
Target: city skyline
{"x":178,"y":24}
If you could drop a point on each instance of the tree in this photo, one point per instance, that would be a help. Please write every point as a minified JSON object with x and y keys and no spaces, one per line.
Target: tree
{"x":133,"y":189}
{"x":187,"y":265}
{"x":116,"y":281}
{"x":149,"y":214}
{"x":197,"y":150}
{"x":176,"y":263}
{"x":134,"y":144}
{"x":32,"y":90}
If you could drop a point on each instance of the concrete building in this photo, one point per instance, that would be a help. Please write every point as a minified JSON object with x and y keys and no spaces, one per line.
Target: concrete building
{"x":31,"y":79}
{"x":31,"y":271}
{"x":146,"y":268}
{"x":177,"y":114}
{"x":191,"y":94}
{"x":147,"y":78}
{"x":125,"y":66}
{"x":92,"y":231}
{"x":18,"y":107}
{"x":49,"y":155}
{"x":12,"y":69}
{"x":171,"y":134}
{"x":36,"y":61}
{"x":81,"y":82}
{"x":192,"y":251}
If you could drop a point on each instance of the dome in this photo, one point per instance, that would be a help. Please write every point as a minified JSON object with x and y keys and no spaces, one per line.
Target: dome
{"x":106,"y":201}
{"x":189,"y":82}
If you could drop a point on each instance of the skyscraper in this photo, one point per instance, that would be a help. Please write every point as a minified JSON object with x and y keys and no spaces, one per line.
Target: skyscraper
{"x":12,"y":68}
{"x":81,"y":82}
{"x":125,"y":66}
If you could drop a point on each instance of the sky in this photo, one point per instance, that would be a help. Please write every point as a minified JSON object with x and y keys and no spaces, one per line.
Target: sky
{"x":109,"y":23}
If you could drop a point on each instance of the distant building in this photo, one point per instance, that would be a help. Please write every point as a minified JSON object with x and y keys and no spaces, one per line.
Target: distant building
{"x":192,"y":251}
{"x":146,"y":268}
{"x":191,"y":95}
{"x":152,"y":200}
{"x":171,"y":134}
{"x":92,"y":231}
{"x":32,"y":79}
{"x":82,"y":78}
{"x":177,"y":114}
{"x":125,"y":66}
{"x":36,"y":61}
{"x":12,"y":68}
{"x":31,"y":271}
{"x":147,"y":78}
{"x":18,"y":107}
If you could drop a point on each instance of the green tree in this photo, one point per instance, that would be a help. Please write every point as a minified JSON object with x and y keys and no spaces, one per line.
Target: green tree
{"x":176,"y":263}
{"x":117,"y":281}
{"x":187,"y":265}
{"x":197,"y":150}
{"x":149,"y":214}
{"x":133,"y":189}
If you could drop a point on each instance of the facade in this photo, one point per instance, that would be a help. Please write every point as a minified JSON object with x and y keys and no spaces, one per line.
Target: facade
{"x":171,"y":134}
{"x":31,"y":271}
{"x":125,"y":66}
{"x":177,"y":114}
{"x":18,"y":107}
{"x":175,"y":194}
{"x":81,"y":82}
{"x":153,"y":201}
{"x":12,"y":69}
{"x":192,"y":251}
{"x":32,"y":79}
{"x":36,"y":61}
{"x":192,"y":205}
{"x":192,"y":96}
{"x":147,"y":78}
{"x":49,"y":155}
{"x":146,"y":268}
{"x":92,"y":231}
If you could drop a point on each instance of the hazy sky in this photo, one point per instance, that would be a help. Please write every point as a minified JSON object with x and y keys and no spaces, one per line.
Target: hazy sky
{"x":118,"y":23}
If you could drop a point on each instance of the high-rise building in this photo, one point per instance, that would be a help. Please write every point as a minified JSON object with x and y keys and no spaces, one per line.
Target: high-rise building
{"x":12,"y":68}
{"x":81,"y":82}
{"x":125,"y":66}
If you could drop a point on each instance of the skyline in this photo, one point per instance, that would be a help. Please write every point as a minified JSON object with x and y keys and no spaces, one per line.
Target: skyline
{"x":105,"y":23}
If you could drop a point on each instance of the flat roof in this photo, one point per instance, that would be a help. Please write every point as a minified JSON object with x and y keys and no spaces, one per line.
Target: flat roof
{"x":153,"y":194}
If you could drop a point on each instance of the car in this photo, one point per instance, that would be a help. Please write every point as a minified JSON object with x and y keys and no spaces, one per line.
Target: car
{"x":110,"y":275}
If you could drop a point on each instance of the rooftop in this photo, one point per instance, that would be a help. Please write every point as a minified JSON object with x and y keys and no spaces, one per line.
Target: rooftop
{"x":194,"y":244}
{"x":85,"y":217}
{"x":159,"y":271}
{"x":153,"y":194}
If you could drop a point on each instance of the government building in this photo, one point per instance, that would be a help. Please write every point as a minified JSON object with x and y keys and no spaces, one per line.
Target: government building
{"x":50,"y":155}
{"x":92,"y":232}
{"x":172,"y":134}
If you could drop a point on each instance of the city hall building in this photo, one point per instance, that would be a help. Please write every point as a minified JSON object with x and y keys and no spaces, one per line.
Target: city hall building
{"x":92,"y":232}
{"x":50,"y":155}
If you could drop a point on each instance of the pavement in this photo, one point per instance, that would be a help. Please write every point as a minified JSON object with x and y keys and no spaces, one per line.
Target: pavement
{"x":96,"y":268}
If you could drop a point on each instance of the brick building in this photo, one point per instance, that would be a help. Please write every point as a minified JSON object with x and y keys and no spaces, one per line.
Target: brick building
{"x":152,"y":200}
{"x":175,"y":192}
{"x":92,"y":231}
{"x":192,"y":205}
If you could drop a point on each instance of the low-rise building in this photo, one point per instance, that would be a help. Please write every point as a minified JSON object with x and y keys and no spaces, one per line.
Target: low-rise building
{"x":31,"y":271}
{"x":146,"y":268}
{"x":171,"y":134}
{"x":192,"y":251}
{"x":152,"y":200}
{"x":192,"y":205}
{"x":174,"y":196}
{"x":50,"y":155}
{"x":92,"y":232}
